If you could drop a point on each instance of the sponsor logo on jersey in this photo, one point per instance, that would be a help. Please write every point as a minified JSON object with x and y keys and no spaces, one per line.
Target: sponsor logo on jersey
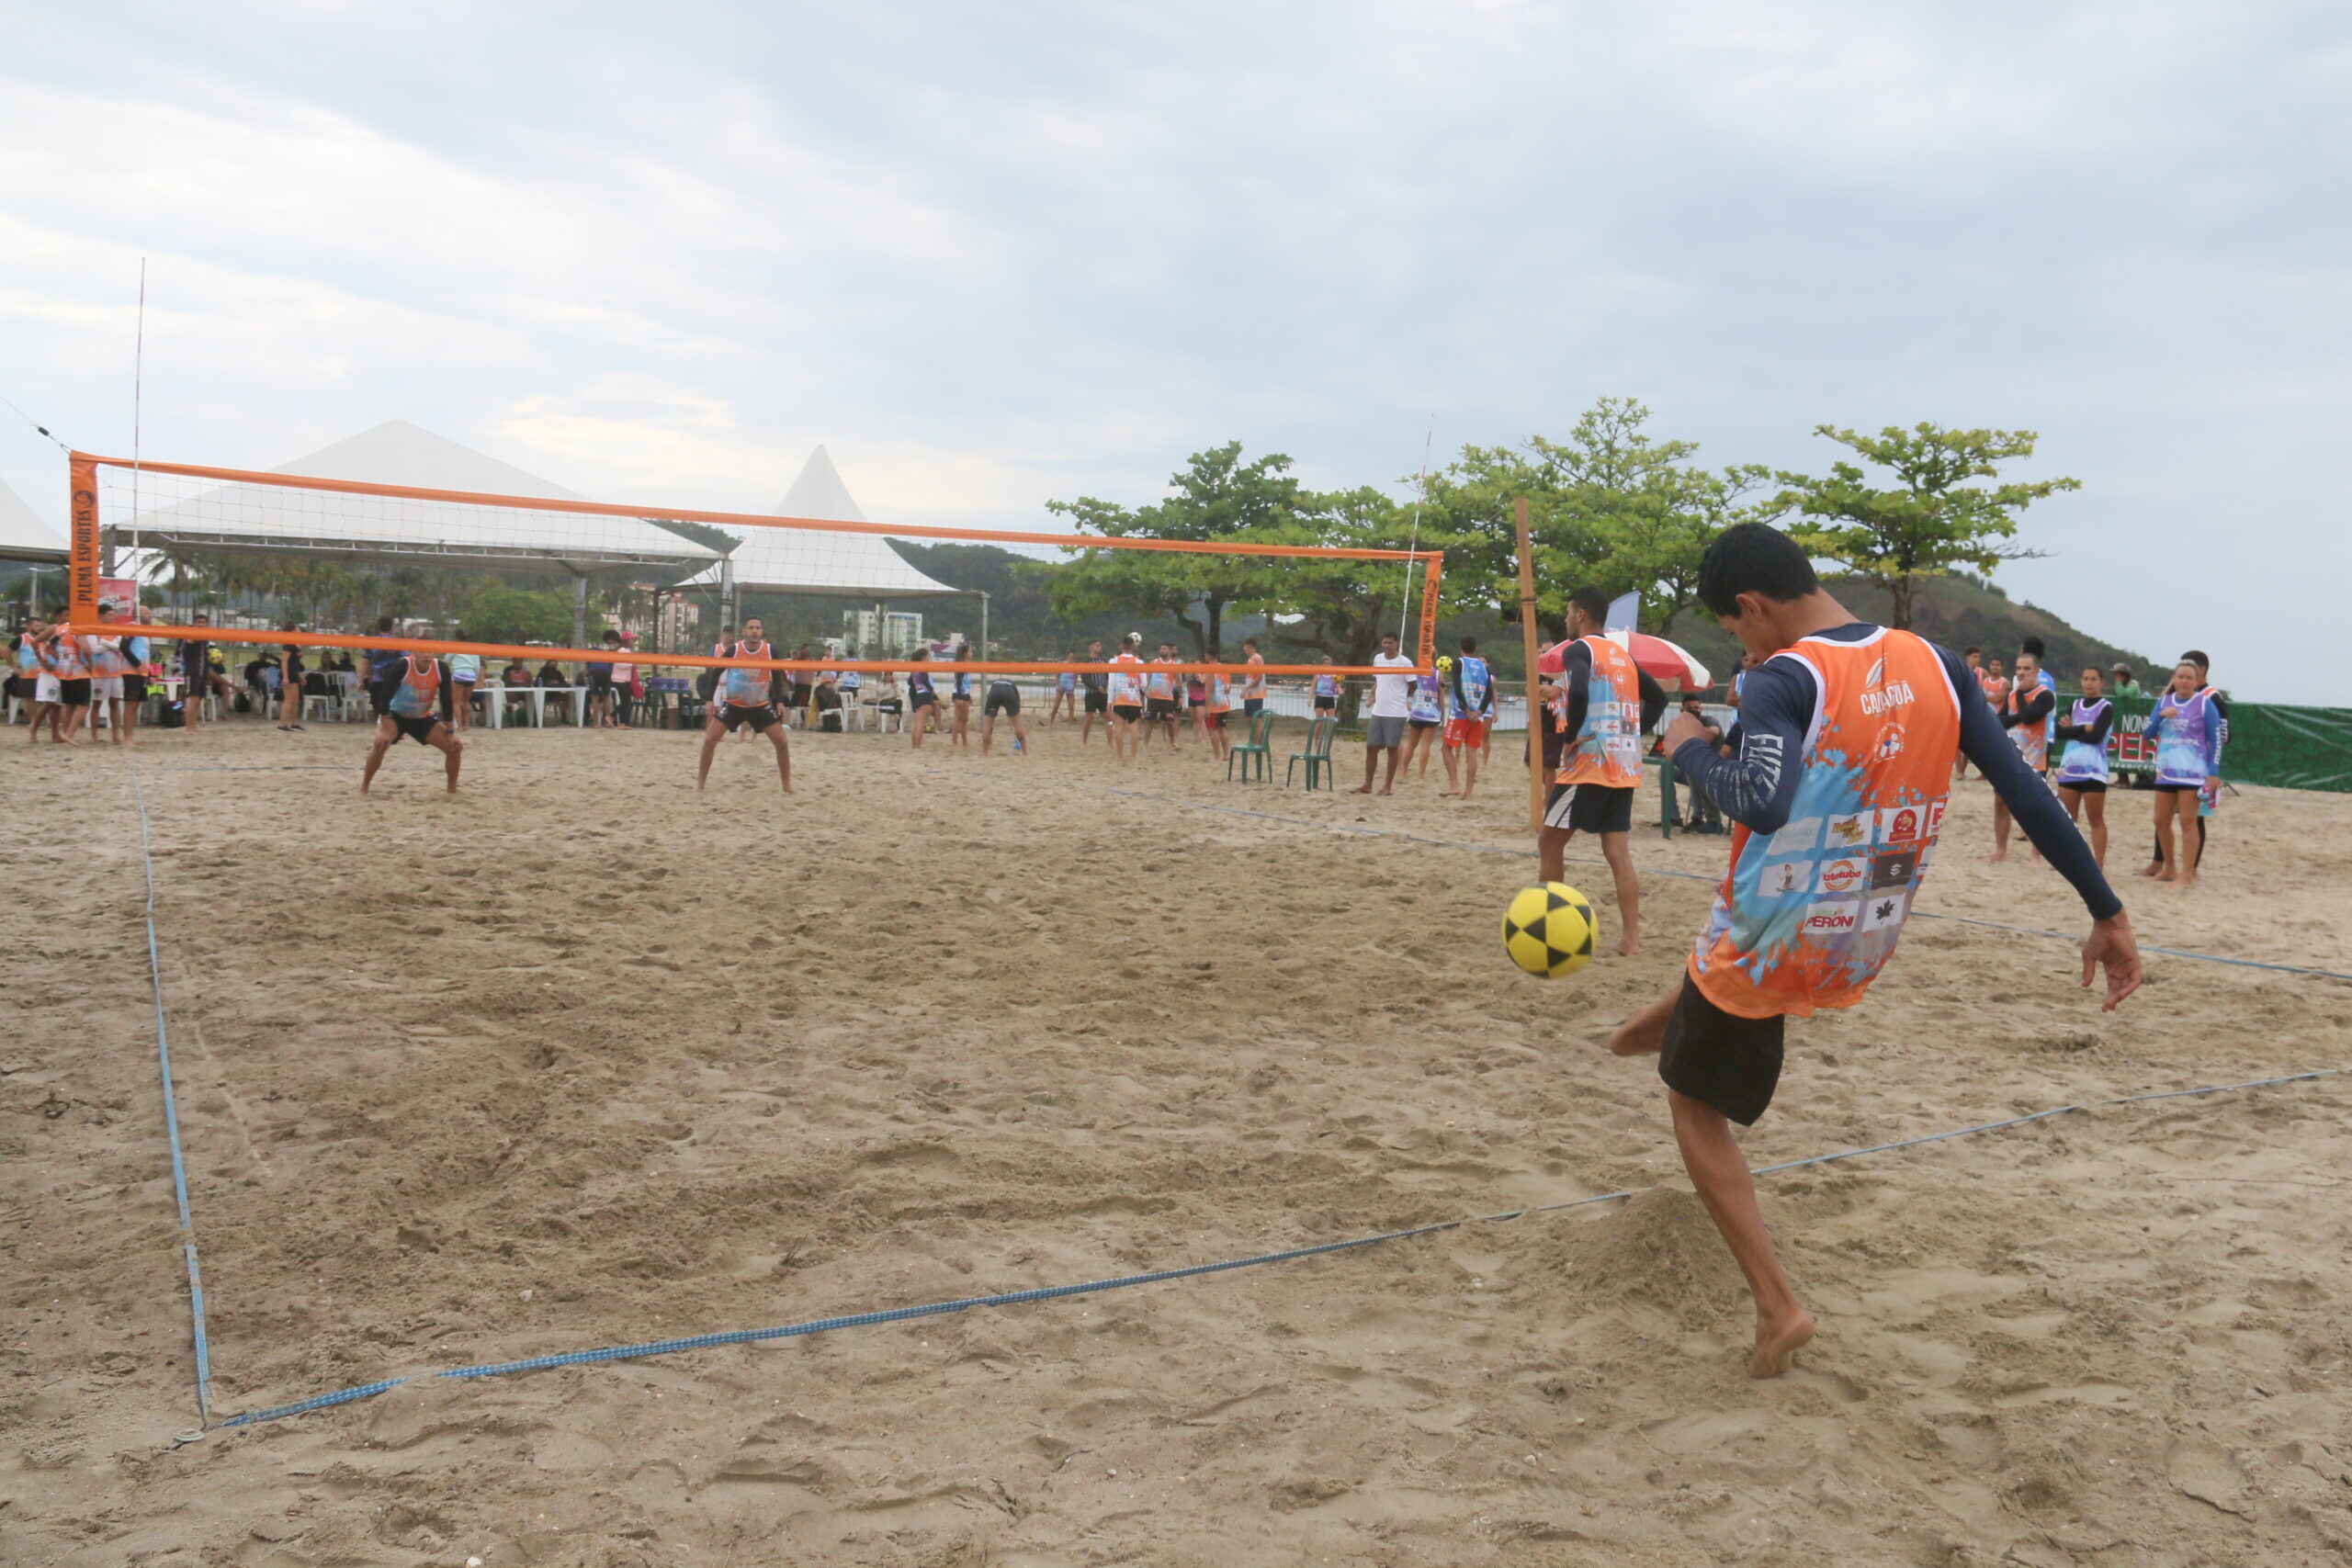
{"x":1900,"y":823}
{"x":1890,"y":744}
{"x":1934,"y":818}
{"x":1788,"y":876}
{"x":1897,"y":693}
{"x":1801,"y":836}
{"x":1845,"y":875}
{"x":1840,"y":917}
{"x":1886,"y":909}
{"x":1849,"y":832}
{"x":1894,"y":870}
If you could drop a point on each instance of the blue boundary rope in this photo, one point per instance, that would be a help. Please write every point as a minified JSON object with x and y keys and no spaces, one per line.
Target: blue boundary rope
{"x":172,"y":1124}
{"x":1004,"y":1298}
{"x":1158,"y":1276}
{"x":1354,"y":830}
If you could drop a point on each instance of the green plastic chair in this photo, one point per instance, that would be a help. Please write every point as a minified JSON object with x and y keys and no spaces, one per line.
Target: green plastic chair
{"x":1259,"y":747}
{"x":1317,"y":756}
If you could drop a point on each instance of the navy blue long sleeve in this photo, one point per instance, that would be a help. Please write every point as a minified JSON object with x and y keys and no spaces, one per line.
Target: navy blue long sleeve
{"x":1756,"y":784}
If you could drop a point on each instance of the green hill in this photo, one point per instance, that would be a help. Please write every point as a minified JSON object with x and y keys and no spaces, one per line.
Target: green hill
{"x":1959,"y":613}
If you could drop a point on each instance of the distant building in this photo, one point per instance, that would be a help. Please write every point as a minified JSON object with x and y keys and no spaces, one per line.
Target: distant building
{"x":677,"y":624}
{"x":882,"y":634}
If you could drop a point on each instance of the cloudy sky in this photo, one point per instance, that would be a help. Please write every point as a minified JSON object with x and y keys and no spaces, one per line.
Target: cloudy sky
{"x":997,"y":253}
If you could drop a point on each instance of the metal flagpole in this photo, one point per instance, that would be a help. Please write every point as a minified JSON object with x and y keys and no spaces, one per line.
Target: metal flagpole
{"x":1528,"y":640}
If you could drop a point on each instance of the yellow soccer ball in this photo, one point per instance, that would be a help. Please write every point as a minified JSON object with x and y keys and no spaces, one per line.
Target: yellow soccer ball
{"x":1548,"y":929}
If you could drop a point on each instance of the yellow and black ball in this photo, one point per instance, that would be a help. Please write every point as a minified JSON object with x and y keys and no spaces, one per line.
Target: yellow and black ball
{"x":1548,"y":929}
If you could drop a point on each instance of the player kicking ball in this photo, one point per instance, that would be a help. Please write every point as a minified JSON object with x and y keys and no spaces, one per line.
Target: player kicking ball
{"x":746,"y":696}
{"x":1837,"y":784}
{"x":418,"y":709}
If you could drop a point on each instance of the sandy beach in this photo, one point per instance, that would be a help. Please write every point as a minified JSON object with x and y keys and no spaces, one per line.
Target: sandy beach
{"x":581,"y":1058}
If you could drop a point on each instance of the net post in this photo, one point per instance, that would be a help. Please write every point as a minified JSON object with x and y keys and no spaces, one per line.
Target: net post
{"x":82,"y":572}
{"x":1428,"y":660}
{"x":1527,"y":641}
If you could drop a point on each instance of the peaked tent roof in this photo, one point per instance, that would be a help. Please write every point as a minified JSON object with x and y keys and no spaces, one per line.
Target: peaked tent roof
{"x":797,"y":560}
{"x":241,"y":516}
{"x":23,"y":535}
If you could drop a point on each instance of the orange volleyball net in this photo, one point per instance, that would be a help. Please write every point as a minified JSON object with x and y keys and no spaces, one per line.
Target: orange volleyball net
{"x":290,"y":559}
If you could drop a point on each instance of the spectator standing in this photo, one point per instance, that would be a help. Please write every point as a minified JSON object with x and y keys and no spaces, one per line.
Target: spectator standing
{"x":289,"y":682}
{"x":1392,"y":707}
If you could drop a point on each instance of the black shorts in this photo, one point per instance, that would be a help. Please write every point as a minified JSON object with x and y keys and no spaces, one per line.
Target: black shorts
{"x":1160,"y":707}
{"x":1327,"y":705}
{"x":1128,"y":711}
{"x":1590,"y":808}
{"x":923,"y":700}
{"x":419,"y":729}
{"x":2176,"y":788}
{"x":74,"y":694}
{"x":1005,"y":699}
{"x":1097,"y":701}
{"x":597,"y":683}
{"x":2083,"y":786}
{"x":760,"y":716}
{"x":134,"y":688}
{"x":1720,"y":1058}
{"x":1424,"y":723}
{"x":1252,"y":706}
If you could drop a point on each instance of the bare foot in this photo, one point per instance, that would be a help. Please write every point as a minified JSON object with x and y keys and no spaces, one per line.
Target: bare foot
{"x":1365,"y":789}
{"x":1777,"y":1344}
{"x":1996,"y":857}
{"x":2153,"y":868}
{"x":1645,"y":1032}
{"x":1445,"y":794}
{"x":1387,"y":790}
{"x":1629,"y":946}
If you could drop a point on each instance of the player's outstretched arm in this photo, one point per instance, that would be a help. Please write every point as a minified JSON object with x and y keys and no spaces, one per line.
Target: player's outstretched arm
{"x":2112,"y":947}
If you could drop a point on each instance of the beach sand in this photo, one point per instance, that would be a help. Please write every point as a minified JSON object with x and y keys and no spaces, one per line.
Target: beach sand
{"x":580,"y":1058}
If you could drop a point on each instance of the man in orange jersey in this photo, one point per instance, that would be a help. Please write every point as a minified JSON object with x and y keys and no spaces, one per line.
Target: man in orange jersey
{"x":417,"y":695}
{"x":746,"y":696}
{"x":1602,"y":706}
{"x":1837,"y":783}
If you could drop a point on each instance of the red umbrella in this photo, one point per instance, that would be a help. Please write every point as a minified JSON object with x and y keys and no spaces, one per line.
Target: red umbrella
{"x":1668,"y":662}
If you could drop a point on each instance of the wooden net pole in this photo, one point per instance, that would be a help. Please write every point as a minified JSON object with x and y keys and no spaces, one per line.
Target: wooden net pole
{"x":1528,"y":640}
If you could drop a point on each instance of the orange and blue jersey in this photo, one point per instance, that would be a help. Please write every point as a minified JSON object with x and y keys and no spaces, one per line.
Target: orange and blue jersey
{"x":1254,"y":683}
{"x":1126,"y":690}
{"x":748,"y":688}
{"x":1220,"y":694}
{"x":1473,"y":684}
{"x":2030,"y":738}
{"x":1809,"y":913}
{"x":1607,"y":747}
{"x":1160,"y":684}
{"x":65,"y":657}
{"x":418,"y":696}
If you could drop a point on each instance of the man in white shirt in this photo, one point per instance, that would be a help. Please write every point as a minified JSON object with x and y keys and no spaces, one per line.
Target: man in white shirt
{"x":1392,"y":703}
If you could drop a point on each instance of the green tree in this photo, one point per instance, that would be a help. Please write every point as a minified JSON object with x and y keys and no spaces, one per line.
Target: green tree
{"x":495,"y":612}
{"x":1931,"y":520}
{"x":1609,"y":505}
{"x":1339,"y":609}
{"x":1216,"y":497}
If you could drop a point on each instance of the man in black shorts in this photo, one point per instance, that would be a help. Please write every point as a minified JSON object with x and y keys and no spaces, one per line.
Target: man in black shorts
{"x":1001,"y":697}
{"x":1603,"y":706}
{"x":1098,"y":694}
{"x":1837,"y":781}
{"x":746,"y":696}
{"x":416,"y":707}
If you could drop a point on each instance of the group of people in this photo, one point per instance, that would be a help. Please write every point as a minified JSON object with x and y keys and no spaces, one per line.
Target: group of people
{"x":2068,"y":746}
{"x":68,"y":678}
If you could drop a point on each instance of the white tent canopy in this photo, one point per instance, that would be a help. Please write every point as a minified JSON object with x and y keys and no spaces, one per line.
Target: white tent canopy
{"x":23,"y":535}
{"x":800,"y":561}
{"x":252,"y":518}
